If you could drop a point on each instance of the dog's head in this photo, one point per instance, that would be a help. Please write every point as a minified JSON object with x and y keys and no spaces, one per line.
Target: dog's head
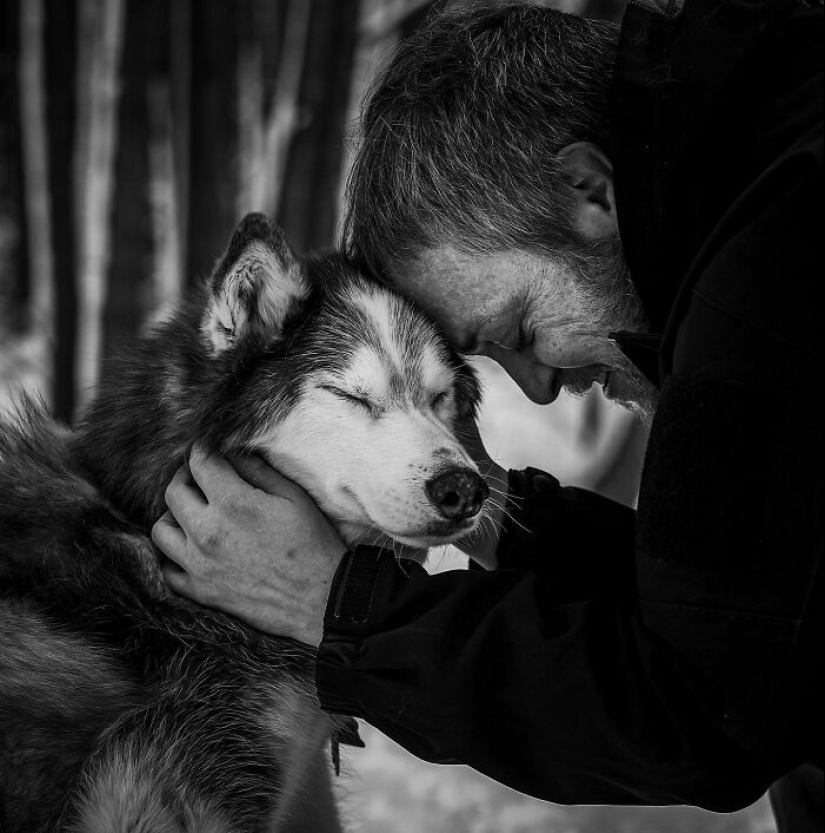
{"x":344,"y":387}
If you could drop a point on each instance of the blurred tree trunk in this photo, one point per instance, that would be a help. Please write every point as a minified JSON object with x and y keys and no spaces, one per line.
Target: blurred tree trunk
{"x":213,"y":135}
{"x":273,"y":48}
{"x":377,"y":34}
{"x":60,"y":39}
{"x":98,"y":85}
{"x":180,"y":106}
{"x":35,"y":176}
{"x":129,"y":279}
{"x":14,"y":282}
{"x":308,"y":202}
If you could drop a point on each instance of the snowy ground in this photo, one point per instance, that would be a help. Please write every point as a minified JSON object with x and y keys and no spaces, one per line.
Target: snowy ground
{"x":386,"y":790}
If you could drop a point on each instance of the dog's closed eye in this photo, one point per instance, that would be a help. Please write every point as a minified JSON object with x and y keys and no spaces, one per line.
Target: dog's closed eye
{"x":355,"y":398}
{"x":438,"y":399}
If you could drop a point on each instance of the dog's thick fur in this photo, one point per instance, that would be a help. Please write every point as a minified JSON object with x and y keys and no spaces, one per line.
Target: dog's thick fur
{"x":123,"y":707}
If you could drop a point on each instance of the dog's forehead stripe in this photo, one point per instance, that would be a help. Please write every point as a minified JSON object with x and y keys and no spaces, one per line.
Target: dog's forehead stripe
{"x":367,"y":372}
{"x":435,"y":373}
{"x":405,"y":344}
{"x":378,"y":306}
{"x":425,"y":352}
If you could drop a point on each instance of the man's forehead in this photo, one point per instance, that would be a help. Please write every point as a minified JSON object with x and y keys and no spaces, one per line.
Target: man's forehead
{"x":460,"y":291}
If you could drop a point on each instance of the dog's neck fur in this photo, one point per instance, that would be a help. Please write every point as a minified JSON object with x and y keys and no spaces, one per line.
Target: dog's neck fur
{"x":140,"y":427}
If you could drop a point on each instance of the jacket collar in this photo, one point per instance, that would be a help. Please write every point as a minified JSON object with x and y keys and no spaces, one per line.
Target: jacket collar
{"x":643,"y":349}
{"x":676,"y":73}
{"x":645,"y":30}
{"x":639,"y":104}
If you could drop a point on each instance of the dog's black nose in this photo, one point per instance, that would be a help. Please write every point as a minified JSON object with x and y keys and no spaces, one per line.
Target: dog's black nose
{"x":458,"y":494}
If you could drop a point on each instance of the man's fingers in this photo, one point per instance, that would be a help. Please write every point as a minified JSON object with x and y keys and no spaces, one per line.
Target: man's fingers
{"x":262,"y":476}
{"x":169,"y":538}
{"x":213,"y":474}
{"x":184,"y":498}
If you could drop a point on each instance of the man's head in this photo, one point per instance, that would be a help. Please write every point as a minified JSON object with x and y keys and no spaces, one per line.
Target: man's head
{"x":483,"y":189}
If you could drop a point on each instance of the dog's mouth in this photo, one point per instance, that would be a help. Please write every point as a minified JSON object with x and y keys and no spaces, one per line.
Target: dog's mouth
{"x":437,"y":532}
{"x":434,"y":533}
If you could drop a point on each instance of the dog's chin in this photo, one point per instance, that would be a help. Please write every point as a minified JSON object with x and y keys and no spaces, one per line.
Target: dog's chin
{"x":355,"y":533}
{"x":435,"y":533}
{"x":438,"y":533}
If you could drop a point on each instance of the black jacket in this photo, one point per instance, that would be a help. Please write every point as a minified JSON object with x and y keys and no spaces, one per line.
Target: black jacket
{"x":673,"y":654}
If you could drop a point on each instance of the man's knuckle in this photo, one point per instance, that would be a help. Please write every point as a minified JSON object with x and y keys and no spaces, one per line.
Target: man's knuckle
{"x":240,"y":507}
{"x":207,"y":534}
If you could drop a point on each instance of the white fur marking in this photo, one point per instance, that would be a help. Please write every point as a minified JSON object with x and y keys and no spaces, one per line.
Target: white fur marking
{"x":368,"y":373}
{"x":377,"y":304}
{"x":435,"y":375}
{"x":122,"y":798}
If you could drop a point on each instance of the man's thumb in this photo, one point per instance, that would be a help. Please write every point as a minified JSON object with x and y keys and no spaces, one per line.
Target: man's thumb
{"x":261,"y":475}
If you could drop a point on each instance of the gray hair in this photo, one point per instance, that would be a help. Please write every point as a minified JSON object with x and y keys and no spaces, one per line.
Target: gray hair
{"x":461,"y":134}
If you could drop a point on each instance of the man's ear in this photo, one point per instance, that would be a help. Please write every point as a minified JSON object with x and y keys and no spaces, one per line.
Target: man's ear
{"x":589,"y":176}
{"x":254,"y":286}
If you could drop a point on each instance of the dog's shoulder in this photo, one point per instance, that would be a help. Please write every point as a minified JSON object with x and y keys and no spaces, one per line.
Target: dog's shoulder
{"x":39,"y":482}
{"x":49,"y":509}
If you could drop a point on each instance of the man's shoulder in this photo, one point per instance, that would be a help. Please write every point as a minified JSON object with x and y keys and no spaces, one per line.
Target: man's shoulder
{"x":763,"y":263}
{"x":715,"y":120}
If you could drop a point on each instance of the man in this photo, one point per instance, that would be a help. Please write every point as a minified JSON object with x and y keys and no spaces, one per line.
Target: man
{"x":640,"y":210}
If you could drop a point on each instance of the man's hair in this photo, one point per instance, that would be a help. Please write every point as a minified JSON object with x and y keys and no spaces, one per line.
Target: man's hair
{"x":461,"y":134}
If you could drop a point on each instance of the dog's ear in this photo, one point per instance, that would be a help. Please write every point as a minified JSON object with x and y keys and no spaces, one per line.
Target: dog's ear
{"x":254,"y":287}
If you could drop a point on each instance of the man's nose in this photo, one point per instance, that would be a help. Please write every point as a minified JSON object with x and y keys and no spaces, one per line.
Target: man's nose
{"x":539,"y":382}
{"x":457,"y":494}
{"x":541,"y":387}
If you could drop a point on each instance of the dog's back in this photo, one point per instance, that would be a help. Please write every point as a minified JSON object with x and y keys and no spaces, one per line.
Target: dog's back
{"x":57,"y":689}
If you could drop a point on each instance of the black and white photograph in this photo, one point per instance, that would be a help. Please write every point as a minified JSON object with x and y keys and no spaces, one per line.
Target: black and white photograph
{"x":409,"y":419}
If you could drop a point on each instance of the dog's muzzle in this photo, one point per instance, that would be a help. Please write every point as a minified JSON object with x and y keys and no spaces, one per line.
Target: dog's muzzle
{"x":457,"y":494}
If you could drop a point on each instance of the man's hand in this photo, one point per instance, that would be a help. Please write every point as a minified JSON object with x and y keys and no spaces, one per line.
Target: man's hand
{"x":244,"y":539}
{"x":481,"y":545}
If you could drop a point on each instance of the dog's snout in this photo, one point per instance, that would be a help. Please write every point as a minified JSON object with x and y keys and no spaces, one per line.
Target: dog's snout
{"x":458,"y":494}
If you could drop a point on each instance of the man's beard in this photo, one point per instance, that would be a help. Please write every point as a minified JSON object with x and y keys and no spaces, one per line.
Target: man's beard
{"x":604,"y":280}
{"x":625,"y":386}
{"x":631,"y":389}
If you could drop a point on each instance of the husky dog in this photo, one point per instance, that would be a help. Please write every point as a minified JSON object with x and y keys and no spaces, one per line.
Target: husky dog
{"x":124,"y":708}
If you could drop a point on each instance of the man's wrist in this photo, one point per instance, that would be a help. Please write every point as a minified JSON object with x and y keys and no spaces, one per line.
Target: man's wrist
{"x":312,"y":630}
{"x":533,"y":494}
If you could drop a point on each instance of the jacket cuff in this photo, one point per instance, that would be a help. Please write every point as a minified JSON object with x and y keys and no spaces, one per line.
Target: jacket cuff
{"x":358,"y":605}
{"x":531,"y":495}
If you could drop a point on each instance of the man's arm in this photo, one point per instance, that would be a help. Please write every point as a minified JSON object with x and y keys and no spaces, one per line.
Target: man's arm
{"x":576,"y":702}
